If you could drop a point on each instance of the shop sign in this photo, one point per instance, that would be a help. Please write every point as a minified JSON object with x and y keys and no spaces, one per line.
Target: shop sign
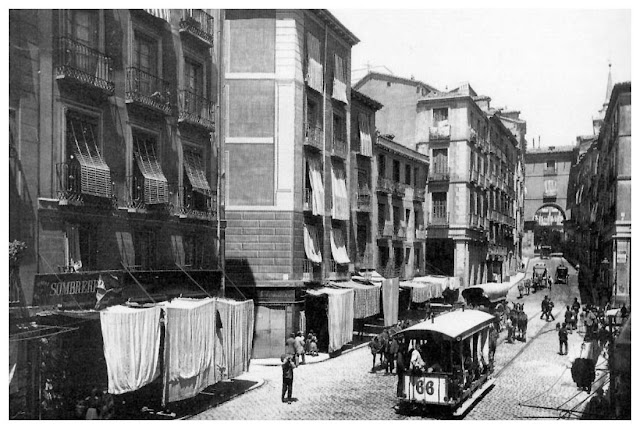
{"x":74,"y":290}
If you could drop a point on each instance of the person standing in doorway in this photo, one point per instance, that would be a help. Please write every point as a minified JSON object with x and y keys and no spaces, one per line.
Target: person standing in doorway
{"x":288,"y":365}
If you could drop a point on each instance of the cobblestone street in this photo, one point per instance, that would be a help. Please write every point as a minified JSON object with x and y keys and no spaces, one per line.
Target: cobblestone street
{"x":342,"y":388}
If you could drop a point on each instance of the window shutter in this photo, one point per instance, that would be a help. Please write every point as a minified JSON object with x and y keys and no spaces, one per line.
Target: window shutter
{"x":194,"y":168}
{"x":155,"y":183}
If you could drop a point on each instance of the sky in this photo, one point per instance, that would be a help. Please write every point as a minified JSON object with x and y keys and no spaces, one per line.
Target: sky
{"x":550,"y":64}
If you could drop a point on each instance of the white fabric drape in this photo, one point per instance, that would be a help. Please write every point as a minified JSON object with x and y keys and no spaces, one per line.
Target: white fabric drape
{"x":338,"y":247}
{"x":366,"y":298}
{"x":189,"y":364}
{"x":340,"y":207}
{"x":423,"y":291}
{"x":315,"y":73}
{"x":339,"y":315}
{"x":131,"y":340}
{"x":366,"y":146}
{"x":390,"y":296}
{"x":312,"y":244}
{"x":317,"y":186}
{"x":234,"y":339}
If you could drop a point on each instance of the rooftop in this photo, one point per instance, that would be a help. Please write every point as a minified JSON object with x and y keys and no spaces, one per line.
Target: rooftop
{"x":367,"y":101}
{"x":391,"y":78}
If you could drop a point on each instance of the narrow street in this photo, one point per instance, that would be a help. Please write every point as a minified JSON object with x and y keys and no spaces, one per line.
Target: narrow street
{"x":342,"y":388}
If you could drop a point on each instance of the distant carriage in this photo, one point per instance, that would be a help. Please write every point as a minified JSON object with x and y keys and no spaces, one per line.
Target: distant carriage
{"x":540,"y":279}
{"x":489,"y":296}
{"x":562,"y":274}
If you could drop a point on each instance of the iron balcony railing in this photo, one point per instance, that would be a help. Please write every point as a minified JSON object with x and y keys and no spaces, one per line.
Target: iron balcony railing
{"x":148,"y":90}
{"x":308,"y":270}
{"x":399,"y":189}
{"x":70,"y":180}
{"x":190,"y":204}
{"x":85,"y":65}
{"x":339,"y":147}
{"x":338,"y":271}
{"x":195,"y":109}
{"x":198,"y":23}
{"x":385,"y":185}
{"x":135,"y":192}
{"x":418,"y":194}
{"x":439,"y":175}
{"x":438,"y":219}
{"x":442,"y":132}
{"x":313,"y":136}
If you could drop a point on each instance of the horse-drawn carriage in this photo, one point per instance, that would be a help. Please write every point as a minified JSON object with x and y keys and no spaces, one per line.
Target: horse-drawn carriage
{"x":562,"y":274}
{"x":489,"y":297}
{"x":454,"y":371}
{"x":540,"y":279}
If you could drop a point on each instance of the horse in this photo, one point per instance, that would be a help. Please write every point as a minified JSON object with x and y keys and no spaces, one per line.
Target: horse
{"x":520,"y":320}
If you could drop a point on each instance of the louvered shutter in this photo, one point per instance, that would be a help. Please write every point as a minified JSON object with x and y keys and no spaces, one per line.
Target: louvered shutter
{"x":194,"y":167}
{"x":155,"y":183}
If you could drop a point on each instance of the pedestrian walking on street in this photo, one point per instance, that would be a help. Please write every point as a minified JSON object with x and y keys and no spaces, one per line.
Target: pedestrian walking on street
{"x":375,"y":347}
{"x":544,"y":307}
{"x":400,"y":370}
{"x":299,"y":346}
{"x":509,"y":326}
{"x":563,"y":339}
{"x":392,"y":352}
{"x":287,"y":377}
{"x":590,"y":323}
{"x":568,"y":319}
{"x":290,"y":345}
{"x":549,"y":308}
{"x":312,"y":344}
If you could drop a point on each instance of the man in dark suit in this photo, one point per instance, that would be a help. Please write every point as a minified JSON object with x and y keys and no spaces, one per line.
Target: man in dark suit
{"x":287,"y":377}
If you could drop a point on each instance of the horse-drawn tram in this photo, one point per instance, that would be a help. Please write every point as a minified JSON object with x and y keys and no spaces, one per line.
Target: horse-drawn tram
{"x":448,"y":359}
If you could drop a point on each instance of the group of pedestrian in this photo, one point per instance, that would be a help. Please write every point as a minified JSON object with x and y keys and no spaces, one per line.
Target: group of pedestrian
{"x":99,"y":405}
{"x":296,"y":350}
{"x":547,"y":307}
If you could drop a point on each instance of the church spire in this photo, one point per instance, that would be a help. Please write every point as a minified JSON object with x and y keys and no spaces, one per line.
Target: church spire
{"x":609,"y":86}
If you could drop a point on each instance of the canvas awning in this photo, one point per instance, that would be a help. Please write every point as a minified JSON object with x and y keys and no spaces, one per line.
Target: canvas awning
{"x":312,"y":244}
{"x":365,"y":135}
{"x":421,"y":292}
{"x":338,"y":246}
{"x":315,"y":73}
{"x":155,"y":183}
{"x":340,"y":206}
{"x":366,"y":299}
{"x":452,"y":283}
{"x":195,"y":170}
{"x":317,"y":186}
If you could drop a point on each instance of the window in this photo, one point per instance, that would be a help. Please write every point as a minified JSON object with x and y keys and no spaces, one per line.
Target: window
{"x":193,"y":77}
{"x":340,"y":207}
{"x":152,"y":183}
{"x":381,"y":165}
{"x":366,"y":147}
{"x":252,"y":36}
{"x":339,"y":128}
{"x":198,"y":192}
{"x":251,"y":108}
{"x":398,"y":257}
{"x":551,"y":164}
{"x":440,"y":116}
{"x":82,"y":151}
{"x":339,"y":80}
{"x":313,"y":118}
{"x":407,"y":174}
{"x":396,"y":217}
{"x":13,"y":133}
{"x":440,"y":160}
{"x":382,"y":215}
{"x":383,"y":253}
{"x":194,"y":251}
{"x":81,"y":248}
{"x":83,"y":26}
{"x":416,"y":176}
{"x":439,"y":200}
{"x":407,"y":216}
{"x":145,"y":54}
{"x":396,"y":171}
{"x":144,"y":242}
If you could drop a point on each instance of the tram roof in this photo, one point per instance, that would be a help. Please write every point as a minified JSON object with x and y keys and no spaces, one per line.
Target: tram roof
{"x":455,"y":325}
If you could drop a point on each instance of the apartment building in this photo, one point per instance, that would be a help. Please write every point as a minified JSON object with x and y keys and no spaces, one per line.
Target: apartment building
{"x":287,"y":145}
{"x":113,"y":165}
{"x":471,"y":188}
{"x":399,"y":220}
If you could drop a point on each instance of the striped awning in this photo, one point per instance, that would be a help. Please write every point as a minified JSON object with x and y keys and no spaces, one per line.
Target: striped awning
{"x":366,"y":300}
{"x":156,"y":188}
{"x":194,"y":167}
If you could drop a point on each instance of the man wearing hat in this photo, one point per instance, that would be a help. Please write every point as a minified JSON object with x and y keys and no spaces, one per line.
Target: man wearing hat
{"x":287,"y":377}
{"x":299,"y":348}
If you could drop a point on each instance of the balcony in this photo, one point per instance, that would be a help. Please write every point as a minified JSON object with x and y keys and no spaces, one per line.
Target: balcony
{"x":419,"y":194}
{"x":385,"y":230}
{"x":77,"y":185}
{"x":439,"y":175}
{"x":158,"y":13}
{"x":198,"y":24}
{"x":308,"y":271}
{"x":442,"y":132}
{"x":399,"y":232}
{"x":148,"y":91}
{"x":438,"y":219}
{"x":363,"y":200}
{"x":189,"y":204}
{"x":399,"y":189}
{"x":339,"y":147}
{"x":550,"y":172}
{"x":473,"y":176}
{"x":421,"y":233}
{"x":195,"y":109}
{"x":473,"y":135}
{"x":338,"y":271}
{"x":84,"y":65}
{"x":313,"y":136}
{"x":385,"y":185}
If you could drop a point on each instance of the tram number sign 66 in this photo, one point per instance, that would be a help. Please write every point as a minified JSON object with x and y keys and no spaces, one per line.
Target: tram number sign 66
{"x":428,"y":389}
